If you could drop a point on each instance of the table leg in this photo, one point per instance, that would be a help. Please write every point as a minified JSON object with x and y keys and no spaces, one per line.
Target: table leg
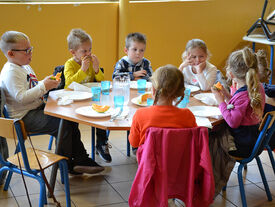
{"x":57,"y":151}
{"x":253,"y":46}
{"x":271,"y":62}
{"x":128,"y":144}
{"x":93,"y":143}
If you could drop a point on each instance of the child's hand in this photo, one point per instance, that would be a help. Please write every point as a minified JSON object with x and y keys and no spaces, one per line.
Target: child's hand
{"x":140,"y":73}
{"x":218,"y":95}
{"x":50,"y":83}
{"x":95,"y":63}
{"x":200,"y":67}
{"x":187,"y":61}
{"x":85,"y":63}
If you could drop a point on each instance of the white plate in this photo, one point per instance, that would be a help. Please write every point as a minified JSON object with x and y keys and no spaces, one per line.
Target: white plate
{"x":205,"y":111}
{"x":94,"y":84}
{"x":74,"y":95}
{"x":135,"y":101}
{"x":133,"y":85}
{"x":89,"y":112}
{"x":192,"y":88}
{"x":207,"y":98}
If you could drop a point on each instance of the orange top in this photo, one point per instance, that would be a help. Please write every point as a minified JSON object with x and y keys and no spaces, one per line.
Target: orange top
{"x":159,"y":116}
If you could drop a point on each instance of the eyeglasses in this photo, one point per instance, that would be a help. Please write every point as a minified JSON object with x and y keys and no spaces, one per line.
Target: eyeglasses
{"x":27,"y":51}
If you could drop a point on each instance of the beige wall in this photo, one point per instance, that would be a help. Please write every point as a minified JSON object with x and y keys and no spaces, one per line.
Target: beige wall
{"x":168,"y":26}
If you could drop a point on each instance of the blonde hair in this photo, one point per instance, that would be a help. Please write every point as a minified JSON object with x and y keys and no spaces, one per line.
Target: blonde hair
{"x":195,"y":43}
{"x":244,"y":66}
{"x":134,"y":37}
{"x":168,"y":81}
{"x":77,"y":37}
{"x":264,"y":71}
{"x":10,"y":38}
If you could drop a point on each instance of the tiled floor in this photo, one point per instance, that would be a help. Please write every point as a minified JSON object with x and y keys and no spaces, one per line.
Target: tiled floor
{"x":111,"y":187}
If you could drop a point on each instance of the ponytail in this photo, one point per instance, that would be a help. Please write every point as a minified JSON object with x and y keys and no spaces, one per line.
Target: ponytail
{"x":253,"y":88}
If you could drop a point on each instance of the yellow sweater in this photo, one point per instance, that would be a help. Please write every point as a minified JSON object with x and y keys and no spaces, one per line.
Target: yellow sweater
{"x":72,"y":72}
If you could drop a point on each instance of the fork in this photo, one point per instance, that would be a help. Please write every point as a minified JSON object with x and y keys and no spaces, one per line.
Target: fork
{"x":116,"y":115}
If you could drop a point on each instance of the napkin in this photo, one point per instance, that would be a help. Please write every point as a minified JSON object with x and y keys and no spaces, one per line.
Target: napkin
{"x":203,"y":121}
{"x":209,"y":100}
{"x":79,"y":87}
{"x":63,"y":101}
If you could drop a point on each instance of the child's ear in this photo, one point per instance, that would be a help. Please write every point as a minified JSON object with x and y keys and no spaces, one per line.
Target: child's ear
{"x":10,"y":53}
{"x":72,"y":51}
{"x":126,"y":50}
{"x":153,"y":91}
{"x":231,"y":75}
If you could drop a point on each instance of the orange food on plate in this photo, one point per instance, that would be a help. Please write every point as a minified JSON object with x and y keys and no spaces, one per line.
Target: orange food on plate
{"x":218,"y":86}
{"x":100,"y":108}
{"x":143,"y":98}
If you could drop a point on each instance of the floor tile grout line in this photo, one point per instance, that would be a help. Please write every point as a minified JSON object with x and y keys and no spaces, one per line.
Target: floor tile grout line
{"x":115,"y":190}
{"x":14,"y":197}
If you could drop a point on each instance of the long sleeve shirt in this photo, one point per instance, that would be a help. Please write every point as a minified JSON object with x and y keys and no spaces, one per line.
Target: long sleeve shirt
{"x":204,"y":80}
{"x":159,"y":116}
{"x":73,"y":72}
{"x":241,"y":119}
{"x":126,"y":65}
{"x":21,"y":88}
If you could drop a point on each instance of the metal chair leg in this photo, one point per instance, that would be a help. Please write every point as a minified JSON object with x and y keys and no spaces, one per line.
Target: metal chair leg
{"x":271,"y":157}
{"x":240,"y":179}
{"x":8,"y":180}
{"x":268,"y":194}
{"x":50,"y":143}
{"x":42,"y":192}
{"x":64,"y":167}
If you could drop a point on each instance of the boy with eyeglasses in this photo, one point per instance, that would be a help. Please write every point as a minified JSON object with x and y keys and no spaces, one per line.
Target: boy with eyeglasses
{"x":24,"y":100}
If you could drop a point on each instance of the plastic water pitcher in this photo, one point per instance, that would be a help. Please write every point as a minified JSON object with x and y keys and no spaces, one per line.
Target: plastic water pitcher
{"x":121,"y":86}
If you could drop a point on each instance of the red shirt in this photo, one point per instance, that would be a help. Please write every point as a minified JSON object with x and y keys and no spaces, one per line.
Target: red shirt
{"x":159,"y":116}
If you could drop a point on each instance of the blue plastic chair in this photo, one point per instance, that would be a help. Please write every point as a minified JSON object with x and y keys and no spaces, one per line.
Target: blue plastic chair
{"x":266,"y":129}
{"x":30,"y":168}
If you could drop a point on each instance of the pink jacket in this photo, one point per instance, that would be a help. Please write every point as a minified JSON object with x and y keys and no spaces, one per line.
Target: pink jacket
{"x":173,"y":163}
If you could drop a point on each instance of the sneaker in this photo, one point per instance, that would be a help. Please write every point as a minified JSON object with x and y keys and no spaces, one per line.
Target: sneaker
{"x":88,"y":166}
{"x":103,"y":151}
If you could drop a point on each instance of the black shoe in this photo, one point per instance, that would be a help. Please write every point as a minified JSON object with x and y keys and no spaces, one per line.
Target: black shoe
{"x":87,"y":166}
{"x":72,"y":172}
{"x":88,"y":169}
{"x":103,"y":151}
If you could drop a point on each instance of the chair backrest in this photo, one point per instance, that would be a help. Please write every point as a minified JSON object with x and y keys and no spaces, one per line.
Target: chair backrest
{"x":60,"y":69}
{"x":271,"y":127}
{"x":266,"y":129}
{"x":12,"y":129}
{"x":7,"y":129}
{"x":173,"y":162}
{"x":57,"y":69}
